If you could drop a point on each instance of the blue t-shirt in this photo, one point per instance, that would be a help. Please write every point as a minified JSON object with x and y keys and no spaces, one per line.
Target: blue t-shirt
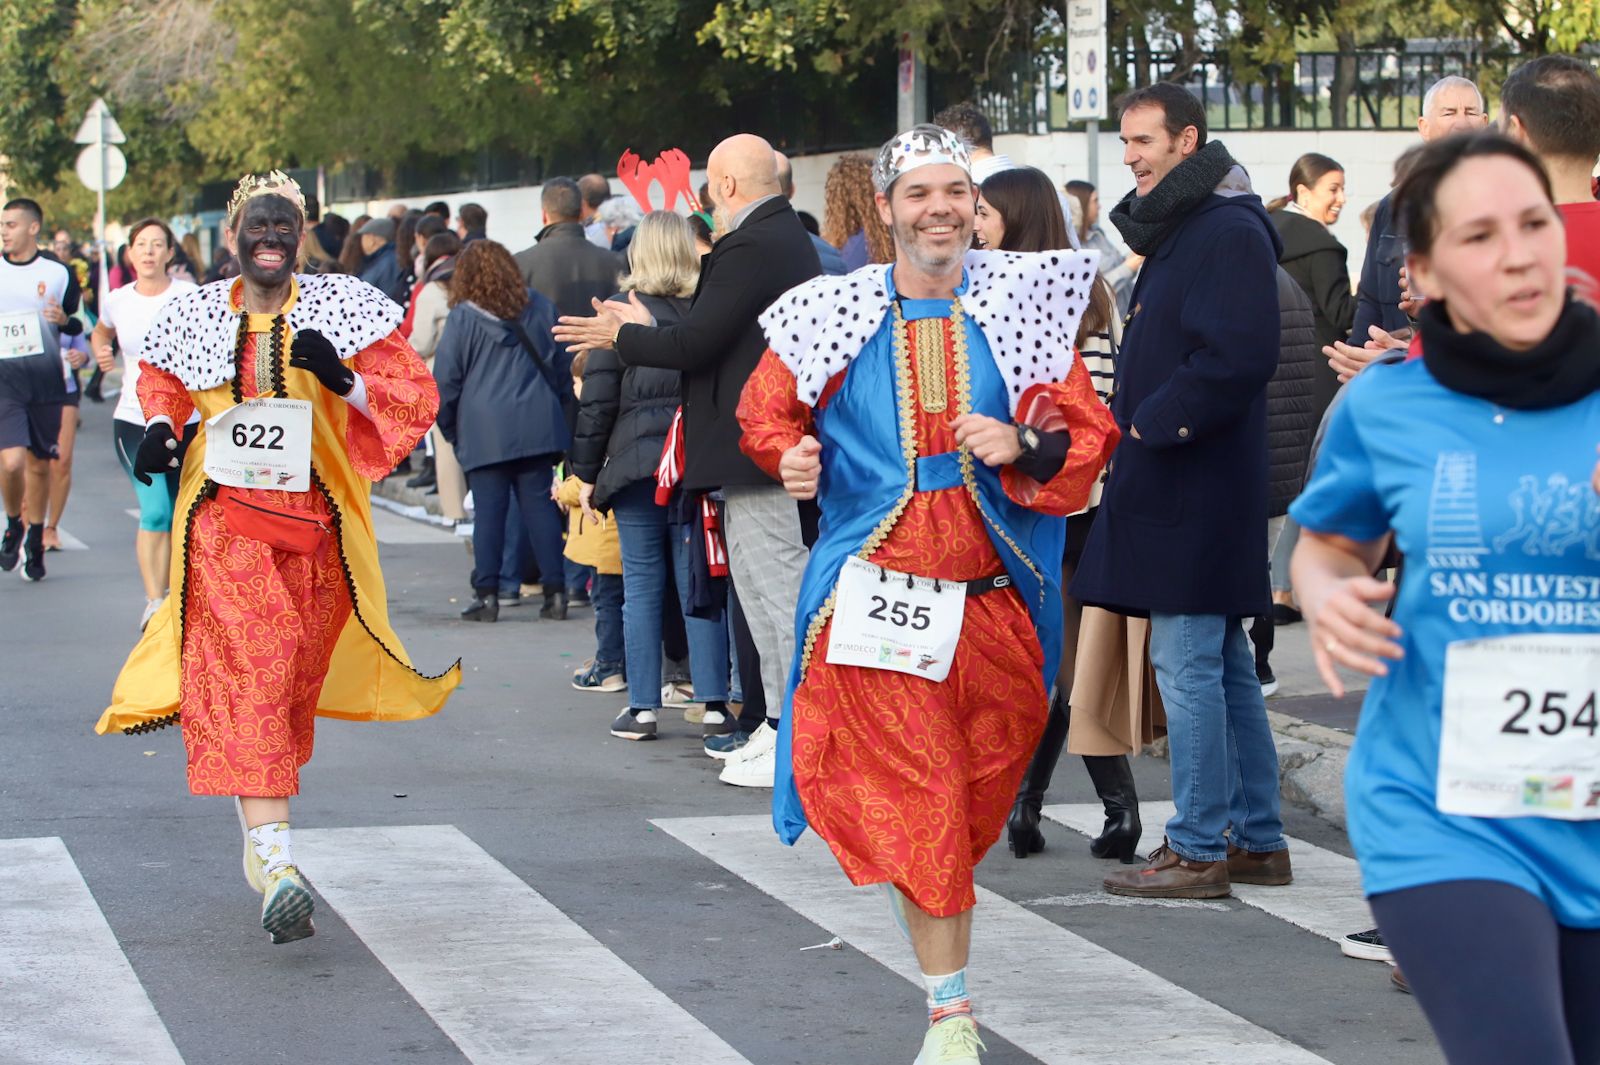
{"x":1500,"y":528}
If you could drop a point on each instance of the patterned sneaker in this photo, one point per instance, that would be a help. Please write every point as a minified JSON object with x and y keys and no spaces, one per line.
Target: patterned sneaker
{"x":634,"y":724}
{"x":252,"y":865}
{"x":600,"y":677}
{"x":286,"y":906}
{"x":952,"y":1042}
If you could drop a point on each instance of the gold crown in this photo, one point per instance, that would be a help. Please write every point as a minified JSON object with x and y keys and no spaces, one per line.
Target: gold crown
{"x":275,"y":182}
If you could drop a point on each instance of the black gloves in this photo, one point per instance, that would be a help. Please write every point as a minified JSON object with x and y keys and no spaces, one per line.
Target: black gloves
{"x":157,"y":452}
{"x":314,"y":352}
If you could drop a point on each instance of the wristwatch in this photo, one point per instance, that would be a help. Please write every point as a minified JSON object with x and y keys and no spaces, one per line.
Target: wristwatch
{"x":1027,"y":440}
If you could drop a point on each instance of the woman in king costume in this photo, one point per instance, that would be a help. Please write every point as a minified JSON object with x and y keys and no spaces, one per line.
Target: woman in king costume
{"x":280,"y":612}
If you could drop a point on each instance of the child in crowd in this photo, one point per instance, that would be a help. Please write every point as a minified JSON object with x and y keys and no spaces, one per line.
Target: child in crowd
{"x":592,"y":541}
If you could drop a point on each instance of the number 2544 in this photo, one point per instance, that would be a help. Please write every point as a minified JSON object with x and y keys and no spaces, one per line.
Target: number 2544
{"x":1553,"y":711}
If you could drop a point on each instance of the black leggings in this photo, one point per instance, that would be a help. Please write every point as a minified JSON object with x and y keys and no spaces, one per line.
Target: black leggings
{"x":1499,"y":980}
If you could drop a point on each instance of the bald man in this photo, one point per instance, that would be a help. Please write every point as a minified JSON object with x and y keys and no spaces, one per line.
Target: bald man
{"x":763,"y":251}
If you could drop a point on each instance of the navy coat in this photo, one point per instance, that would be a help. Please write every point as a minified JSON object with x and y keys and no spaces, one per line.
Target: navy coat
{"x":1182,"y":524}
{"x":494,"y":403}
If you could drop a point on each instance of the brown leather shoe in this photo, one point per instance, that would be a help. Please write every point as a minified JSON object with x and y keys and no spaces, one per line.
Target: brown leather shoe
{"x":1397,"y":980}
{"x":1169,"y":875}
{"x":1248,"y":867}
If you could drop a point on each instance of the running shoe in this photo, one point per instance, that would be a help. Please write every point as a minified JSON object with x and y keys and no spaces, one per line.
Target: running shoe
{"x":721,"y":747}
{"x":952,"y":1042}
{"x":634,"y":724}
{"x":150,"y":608}
{"x":757,"y":772}
{"x":600,"y":677}
{"x":1269,"y":682}
{"x":1366,"y":946}
{"x":33,"y":556}
{"x":287,"y":905}
{"x":11,"y":546}
{"x":252,"y":865}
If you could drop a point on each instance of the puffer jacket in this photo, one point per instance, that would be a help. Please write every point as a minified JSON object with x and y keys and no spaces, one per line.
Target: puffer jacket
{"x":1292,"y":406}
{"x":624,"y":413}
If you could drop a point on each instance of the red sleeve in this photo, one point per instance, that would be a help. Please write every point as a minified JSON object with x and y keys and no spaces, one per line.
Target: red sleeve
{"x":162,"y":394}
{"x":1071,"y":405}
{"x":771,"y":414}
{"x":402,"y":399}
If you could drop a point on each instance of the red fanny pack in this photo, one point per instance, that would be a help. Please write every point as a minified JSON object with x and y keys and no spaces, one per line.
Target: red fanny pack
{"x":285,"y":530}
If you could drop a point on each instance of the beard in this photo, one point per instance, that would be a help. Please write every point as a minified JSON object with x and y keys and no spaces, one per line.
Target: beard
{"x":908,"y":246}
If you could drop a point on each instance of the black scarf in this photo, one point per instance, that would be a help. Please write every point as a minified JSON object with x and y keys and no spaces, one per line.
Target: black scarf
{"x":1562,"y":368}
{"x":1145,"y":221}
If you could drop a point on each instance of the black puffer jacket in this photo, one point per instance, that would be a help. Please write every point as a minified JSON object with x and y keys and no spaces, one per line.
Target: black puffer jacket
{"x":624,"y":413}
{"x":1292,"y":408}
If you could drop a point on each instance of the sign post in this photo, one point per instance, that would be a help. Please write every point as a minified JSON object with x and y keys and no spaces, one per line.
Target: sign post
{"x":913,"y":85}
{"x":1086,"y":73}
{"x":101,"y":166}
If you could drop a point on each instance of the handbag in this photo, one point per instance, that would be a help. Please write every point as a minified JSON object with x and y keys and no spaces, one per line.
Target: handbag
{"x":285,"y":530}
{"x":564,"y":393}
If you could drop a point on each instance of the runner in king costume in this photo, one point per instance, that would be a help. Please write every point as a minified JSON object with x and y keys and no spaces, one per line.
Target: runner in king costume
{"x":945,"y":438}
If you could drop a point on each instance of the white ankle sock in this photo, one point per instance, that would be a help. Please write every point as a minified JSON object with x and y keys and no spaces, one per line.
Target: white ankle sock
{"x":272,"y":846}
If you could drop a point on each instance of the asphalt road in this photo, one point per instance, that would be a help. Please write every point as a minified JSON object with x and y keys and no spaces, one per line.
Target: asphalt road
{"x":505,"y":882}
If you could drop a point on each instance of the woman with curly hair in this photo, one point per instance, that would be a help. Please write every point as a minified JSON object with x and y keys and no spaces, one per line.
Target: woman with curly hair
{"x":850,"y":220}
{"x":501,"y":381}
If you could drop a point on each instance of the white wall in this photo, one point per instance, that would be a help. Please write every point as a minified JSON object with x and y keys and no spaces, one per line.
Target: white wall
{"x":1368,"y":158}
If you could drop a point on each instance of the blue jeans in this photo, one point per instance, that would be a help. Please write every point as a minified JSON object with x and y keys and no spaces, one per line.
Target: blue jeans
{"x":514,"y":556}
{"x":1224,"y":763}
{"x":492,"y":493}
{"x":577,"y":578}
{"x":607,"y":595}
{"x":649,"y":544}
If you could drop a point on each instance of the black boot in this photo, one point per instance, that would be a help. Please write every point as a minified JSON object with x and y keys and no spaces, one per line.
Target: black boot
{"x":427,"y":478}
{"x":485,"y":606}
{"x":1113,"y":782}
{"x":555,"y":606}
{"x":1023,"y":828}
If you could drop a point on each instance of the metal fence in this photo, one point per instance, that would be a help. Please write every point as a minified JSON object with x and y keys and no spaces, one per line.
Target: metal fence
{"x":1369,"y":89}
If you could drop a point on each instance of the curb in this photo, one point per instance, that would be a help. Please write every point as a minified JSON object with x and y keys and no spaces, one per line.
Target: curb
{"x":1311,"y":761}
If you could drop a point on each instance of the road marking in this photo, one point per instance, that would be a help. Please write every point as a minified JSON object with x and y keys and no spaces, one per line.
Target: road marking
{"x":1325,"y":898}
{"x":502,"y":971}
{"x":1014,"y":954}
{"x":67,"y":992}
{"x":1101,"y":898}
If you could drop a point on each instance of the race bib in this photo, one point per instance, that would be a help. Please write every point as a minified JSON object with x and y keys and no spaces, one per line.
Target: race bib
{"x":20,"y":335}
{"x":261,"y":443}
{"x":1521,"y":728}
{"x":888,"y":620}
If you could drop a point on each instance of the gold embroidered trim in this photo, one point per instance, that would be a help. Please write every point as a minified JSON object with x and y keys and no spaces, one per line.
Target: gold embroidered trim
{"x":963,"y":369}
{"x":908,"y":450}
{"x":928,"y":335}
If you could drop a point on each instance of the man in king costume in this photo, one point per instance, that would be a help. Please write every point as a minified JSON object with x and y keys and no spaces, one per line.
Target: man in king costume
{"x":937,"y":412}
{"x":307,"y":395}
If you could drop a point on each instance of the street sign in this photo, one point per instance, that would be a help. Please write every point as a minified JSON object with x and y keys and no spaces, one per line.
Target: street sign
{"x":90,"y":173}
{"x":1086,"y":60}
{"x":89,"y":131}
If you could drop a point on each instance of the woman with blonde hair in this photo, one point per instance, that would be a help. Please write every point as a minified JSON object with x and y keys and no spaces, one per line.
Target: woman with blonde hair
{"x":624,"y":415}
{"x":850,"y":220}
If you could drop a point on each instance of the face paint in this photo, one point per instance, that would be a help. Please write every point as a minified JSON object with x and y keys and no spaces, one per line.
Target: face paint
{"x":268,"y":238}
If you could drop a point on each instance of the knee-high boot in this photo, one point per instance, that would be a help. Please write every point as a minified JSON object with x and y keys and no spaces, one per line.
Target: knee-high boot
{"x":1023,"y":828}
{"x":1113,"y":782}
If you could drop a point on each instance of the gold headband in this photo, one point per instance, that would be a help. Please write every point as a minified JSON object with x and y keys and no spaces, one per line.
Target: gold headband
{"x":275,"y":182}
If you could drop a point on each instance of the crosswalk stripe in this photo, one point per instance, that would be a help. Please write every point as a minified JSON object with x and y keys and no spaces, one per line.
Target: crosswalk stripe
{"x":67,"y":992}
{"x":501,"y":970}
{"x":1325,"y":897}
{"x":1015,"y":953}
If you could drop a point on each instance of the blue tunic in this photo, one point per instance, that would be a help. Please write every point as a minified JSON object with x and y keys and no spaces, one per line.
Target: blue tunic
{"x":864,"y":474}
{"x":1487,"y":505}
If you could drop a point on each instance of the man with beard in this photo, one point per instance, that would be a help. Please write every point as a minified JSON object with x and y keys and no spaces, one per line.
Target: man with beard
{"x":1181,"y":535}
{"x":930,"y":614}
{"x":762,"y":251}
{"x":307,"y":395}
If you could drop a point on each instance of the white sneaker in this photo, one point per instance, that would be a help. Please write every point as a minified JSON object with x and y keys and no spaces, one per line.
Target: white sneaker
{"x":763,"y":740}
{"x":757,"y":772}
{"x":150,"y":608}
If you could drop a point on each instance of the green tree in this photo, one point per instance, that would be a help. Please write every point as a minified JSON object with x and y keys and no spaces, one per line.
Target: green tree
{"x":36,"y":144}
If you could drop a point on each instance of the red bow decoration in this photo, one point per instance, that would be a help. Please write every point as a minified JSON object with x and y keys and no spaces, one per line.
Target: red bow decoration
{"x":670,"y":169}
